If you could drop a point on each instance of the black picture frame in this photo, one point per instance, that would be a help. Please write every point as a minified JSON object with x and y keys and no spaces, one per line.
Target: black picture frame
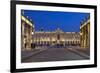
{"x":13,"y":35}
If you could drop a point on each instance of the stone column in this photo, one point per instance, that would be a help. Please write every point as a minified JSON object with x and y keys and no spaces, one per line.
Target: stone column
{"x":22,"y":36}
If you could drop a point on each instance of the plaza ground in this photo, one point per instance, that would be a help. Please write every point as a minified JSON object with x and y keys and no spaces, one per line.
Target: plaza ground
{"x":54,"y":53}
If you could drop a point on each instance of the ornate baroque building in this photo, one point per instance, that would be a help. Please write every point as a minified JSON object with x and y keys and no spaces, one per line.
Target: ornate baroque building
{"x":85,"y":34}
{"x":30,"y":37}
{"x":27,"y":30}
{"x":57,"y":37}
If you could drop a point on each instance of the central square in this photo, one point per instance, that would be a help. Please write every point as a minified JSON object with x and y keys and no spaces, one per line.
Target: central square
{"x":54,"y":36}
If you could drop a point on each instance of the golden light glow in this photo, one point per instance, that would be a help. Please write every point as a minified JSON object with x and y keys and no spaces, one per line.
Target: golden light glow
{"x":26,"y":20}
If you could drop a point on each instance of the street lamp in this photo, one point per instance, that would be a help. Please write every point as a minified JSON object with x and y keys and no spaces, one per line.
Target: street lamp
{"x":80,"y":33}
{"x":32,"y":33}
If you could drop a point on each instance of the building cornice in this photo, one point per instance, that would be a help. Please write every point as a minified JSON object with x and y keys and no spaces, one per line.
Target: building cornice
{"x":85,"y":23}
{"x":26,"y":20}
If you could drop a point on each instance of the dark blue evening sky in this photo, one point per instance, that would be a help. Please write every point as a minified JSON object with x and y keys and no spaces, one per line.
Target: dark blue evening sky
{"x":51,"y":20}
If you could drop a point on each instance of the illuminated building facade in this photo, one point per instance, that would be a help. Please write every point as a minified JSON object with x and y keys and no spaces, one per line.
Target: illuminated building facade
{"x":30,"y":37}
{"x":57,"y":37}
{"x":85,"y":34}
{"x":27,"y":29}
